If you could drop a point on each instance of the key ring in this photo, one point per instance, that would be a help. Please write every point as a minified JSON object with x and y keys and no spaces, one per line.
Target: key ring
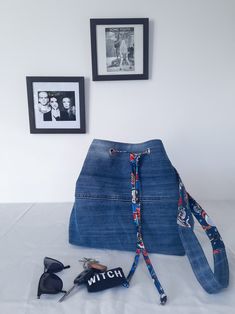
{"x":87,"y":260}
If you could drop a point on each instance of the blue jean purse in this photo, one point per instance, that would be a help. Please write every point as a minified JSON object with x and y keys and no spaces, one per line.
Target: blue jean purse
{"x":120,"y":183}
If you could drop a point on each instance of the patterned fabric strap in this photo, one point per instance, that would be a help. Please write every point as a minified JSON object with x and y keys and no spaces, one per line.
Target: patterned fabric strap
{"x":136,"y":209}
{"x":211,"y":281}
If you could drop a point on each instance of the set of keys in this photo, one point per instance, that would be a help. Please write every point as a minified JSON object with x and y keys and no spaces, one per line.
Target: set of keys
{"x":91,"y":266}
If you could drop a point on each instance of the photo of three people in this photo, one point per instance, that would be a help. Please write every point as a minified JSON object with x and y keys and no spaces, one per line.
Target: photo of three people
{"x":57,"y":106}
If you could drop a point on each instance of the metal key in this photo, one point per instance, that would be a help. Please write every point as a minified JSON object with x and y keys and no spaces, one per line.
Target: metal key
{"x":79,"y":280}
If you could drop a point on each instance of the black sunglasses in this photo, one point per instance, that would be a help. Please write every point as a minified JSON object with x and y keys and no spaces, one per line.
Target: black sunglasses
{"x":49,"y":283}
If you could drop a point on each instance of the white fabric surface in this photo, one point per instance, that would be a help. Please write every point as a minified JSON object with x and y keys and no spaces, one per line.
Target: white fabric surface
{"x":29,"y":232}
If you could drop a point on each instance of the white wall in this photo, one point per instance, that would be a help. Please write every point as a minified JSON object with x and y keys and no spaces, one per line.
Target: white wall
{"x":188,"y":101}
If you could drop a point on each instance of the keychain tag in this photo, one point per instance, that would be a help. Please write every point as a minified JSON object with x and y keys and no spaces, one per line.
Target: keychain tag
{"x":106,"y":280}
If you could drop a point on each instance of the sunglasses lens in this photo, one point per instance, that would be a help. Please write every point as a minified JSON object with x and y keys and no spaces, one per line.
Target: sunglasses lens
{"x":49,"y":284}
{"x":52,"y":265}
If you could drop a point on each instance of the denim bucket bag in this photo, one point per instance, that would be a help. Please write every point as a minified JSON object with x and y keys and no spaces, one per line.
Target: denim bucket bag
{"x":120,"y":183}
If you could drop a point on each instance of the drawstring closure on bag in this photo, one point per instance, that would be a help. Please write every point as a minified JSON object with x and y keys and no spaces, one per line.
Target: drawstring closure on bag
{"x":136,"y":209}
{"x":113,"y":151}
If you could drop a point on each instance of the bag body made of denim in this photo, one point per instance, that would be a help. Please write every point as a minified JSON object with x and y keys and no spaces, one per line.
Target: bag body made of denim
{"x":102,"y":215}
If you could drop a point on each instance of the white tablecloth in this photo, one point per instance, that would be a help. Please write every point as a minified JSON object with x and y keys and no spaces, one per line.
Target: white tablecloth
{"x":29,"y":232}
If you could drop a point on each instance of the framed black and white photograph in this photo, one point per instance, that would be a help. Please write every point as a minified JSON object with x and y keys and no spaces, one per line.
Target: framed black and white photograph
{"x":56,"y":104}
{"x":119,"y":49}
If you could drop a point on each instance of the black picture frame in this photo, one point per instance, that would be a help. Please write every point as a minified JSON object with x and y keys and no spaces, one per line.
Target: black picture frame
{"x":56,"y":104}
{"x":107,"y":36}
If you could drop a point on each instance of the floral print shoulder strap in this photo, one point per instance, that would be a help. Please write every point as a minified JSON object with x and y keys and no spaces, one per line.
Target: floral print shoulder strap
{"x":211,"y":281}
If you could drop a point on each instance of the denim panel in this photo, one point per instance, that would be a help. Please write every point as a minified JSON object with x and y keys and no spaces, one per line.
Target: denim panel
{"x":107,"y":174}
{"x":109,"y":224}
{"x":102,"y":213}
